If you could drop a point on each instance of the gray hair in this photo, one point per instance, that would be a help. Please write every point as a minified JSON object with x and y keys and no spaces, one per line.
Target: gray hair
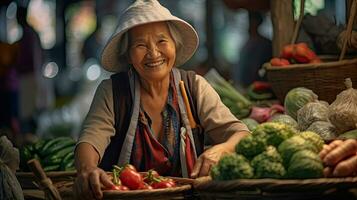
{"x":124,"y":43}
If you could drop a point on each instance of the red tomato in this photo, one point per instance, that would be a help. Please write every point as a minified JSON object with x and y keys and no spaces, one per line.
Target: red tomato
{"x":288,"y":51}
{"x":131,"y":178}
{"x":279,"y":62}
{"x":163,"y":184}
{"x":316,"y":60}
{"x":303,"y":54}
{"x":151,"y":176}
{"x":118,"y":187}
{"x":145,"y":186}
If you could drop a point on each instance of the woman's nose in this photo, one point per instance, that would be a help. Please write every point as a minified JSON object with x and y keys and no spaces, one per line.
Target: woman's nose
{"x":152,"y":51}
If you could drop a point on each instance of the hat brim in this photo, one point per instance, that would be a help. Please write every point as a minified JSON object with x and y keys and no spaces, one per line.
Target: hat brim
{"x":110,"y":54}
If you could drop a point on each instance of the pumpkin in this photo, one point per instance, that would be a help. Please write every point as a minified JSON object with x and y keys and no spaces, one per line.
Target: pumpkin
{"x":296,"y":98}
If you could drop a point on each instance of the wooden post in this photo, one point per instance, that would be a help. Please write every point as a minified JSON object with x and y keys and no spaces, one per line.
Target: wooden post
{"x":282,"y":18}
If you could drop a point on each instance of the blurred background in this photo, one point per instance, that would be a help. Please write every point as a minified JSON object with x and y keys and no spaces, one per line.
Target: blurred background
{"x":50,"y":49}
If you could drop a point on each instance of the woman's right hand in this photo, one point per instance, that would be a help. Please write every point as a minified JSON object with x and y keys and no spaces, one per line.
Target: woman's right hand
{"x":89,"y":183}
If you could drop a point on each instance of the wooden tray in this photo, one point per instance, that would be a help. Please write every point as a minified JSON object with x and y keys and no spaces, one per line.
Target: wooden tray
{"x":182,"y":191}
{"x":246,"y":189}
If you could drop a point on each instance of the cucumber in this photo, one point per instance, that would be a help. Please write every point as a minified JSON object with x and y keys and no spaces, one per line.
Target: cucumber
{"x":68,"y":166}
{"x":68,"y":157}
{"x":57,"y":144}
{"x":51,"y":168}
{"x":39,"y":145}
{"x":57,"y":157}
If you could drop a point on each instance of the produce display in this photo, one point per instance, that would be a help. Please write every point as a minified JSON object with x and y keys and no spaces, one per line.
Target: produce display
{"x":273,"y":150}
{"x":54,"y":154}
{"x":127,"y":178}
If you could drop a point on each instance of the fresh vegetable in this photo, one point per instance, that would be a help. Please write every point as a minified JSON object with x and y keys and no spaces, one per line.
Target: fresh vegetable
{"x":348,"y":135}
{"x":251,"y":123}
{"x":284,"y":119}
{"x":268,"y":169}
{"x":232,"y":166}
{"x":274,"y":132}
{"x":288,"y":51}
{"x":268,"y":164}
{"x":163,"y":183}
{"x":305,"y":164}
{"x":344,"y":150}
{"x":251,"y":146}
{"x":260,"y":114}
{"x":260,"y":90}
{"x":327,"y":148}
{"x":296,"y":98}
{"x":343,"y":111}
{"x":303,"y":54}
{"x":310,"y":113}
{"x":279,"y":62}
{"x":270,"y":154}
{"x":53,"y":154}
{"x":292,"y":145}
{"x":299,"y":53}
{"x":130,"y":177}
{"x":346,"y":167}
{"x":236,"y":102}
{"x":326,"y":130}
{"x":313,"y":138}
{"x":260,"y":86}
{"x":263,"y":114}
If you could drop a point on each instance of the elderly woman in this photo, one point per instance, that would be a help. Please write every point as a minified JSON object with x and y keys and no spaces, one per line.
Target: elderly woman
{"x":142,"y":115}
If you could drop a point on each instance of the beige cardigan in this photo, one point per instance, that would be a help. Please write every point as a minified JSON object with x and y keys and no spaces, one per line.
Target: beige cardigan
{"x":216,"y":119}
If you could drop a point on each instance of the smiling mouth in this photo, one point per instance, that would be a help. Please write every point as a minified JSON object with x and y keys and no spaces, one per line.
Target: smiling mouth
{"x":155,"y":64}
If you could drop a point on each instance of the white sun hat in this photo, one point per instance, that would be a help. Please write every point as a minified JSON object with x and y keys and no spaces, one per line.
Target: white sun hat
{"x":143,"y":12}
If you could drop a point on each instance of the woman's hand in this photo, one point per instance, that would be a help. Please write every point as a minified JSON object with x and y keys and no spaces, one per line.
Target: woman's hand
{"x":89,"y":182}
{"x":212,"y":155}
{"x":207,"y":159}
{"x":90,"y":178}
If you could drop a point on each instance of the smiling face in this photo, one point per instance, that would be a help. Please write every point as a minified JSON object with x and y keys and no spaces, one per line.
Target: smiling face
{"x":152,"y":51}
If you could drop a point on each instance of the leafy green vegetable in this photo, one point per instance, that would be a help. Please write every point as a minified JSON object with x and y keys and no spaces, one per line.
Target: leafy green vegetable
{"x":274,"y":132}
{"x":251,"y":146}
{"x":232,"y":167}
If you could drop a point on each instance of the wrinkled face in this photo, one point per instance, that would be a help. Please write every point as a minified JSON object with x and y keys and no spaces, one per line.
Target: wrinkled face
{"x":152,"y":51}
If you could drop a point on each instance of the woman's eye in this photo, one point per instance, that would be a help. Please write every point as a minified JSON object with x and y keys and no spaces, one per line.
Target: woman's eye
{"x":162,"y":41}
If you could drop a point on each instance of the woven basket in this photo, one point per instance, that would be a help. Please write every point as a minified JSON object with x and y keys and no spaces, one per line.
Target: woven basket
{"x":183,"y":190}
{"x":266,"y":189}
{"x":325,"y":79}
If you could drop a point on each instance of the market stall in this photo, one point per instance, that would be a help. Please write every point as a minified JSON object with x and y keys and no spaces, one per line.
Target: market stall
{"x":303,"y":141}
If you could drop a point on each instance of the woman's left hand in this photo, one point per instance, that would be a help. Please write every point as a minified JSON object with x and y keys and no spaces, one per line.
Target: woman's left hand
{"x":209,"y":158}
